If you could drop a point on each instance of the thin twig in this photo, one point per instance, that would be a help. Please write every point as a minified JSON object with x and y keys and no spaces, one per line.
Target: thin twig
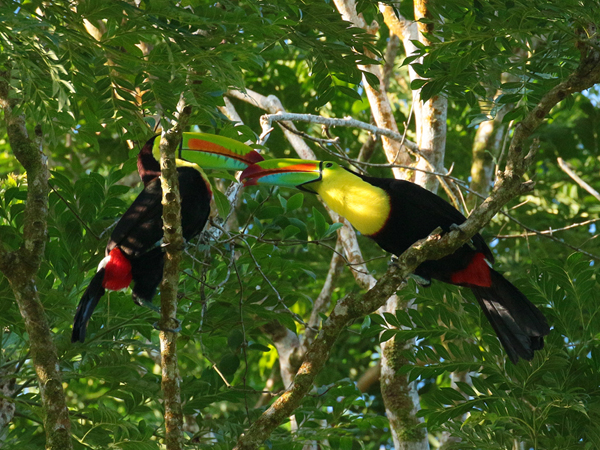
{"x":245,"y":341}
{"x":88,"y":229}
{"x":340,"y":154}
{"x":345,"y":122}
{"x":566,"y":169}
{"x":550,"y":231}
{"x":257,"y":265}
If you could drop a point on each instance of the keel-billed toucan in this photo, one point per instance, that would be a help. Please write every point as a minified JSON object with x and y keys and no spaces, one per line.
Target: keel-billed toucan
{"x":396,"y":214}
{"x":134,"y":251}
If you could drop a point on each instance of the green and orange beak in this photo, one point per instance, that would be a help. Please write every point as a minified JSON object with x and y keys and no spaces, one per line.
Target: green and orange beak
{"x":210,"y":151}
{"x":288,"y":172}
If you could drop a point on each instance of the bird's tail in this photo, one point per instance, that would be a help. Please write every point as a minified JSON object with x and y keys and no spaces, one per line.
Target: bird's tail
{"x":519,"y":324}
{"x":86,"y":306}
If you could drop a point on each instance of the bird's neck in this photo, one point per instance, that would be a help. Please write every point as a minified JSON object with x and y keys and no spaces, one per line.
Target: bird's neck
{"x":366,"y":207}
{"x":184,"y":163}
{"x":180,"y":163}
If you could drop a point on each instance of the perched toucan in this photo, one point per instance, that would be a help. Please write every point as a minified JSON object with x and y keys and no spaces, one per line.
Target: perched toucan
{"x":134,"y":251}
{"x":396,"y":214}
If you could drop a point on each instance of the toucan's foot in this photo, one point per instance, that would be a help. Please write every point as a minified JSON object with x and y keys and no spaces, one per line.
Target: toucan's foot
{"x":146,"y":304}
{"x":181,"y":248}
{"x":421,"y":281}
{"x":455,"y":227}
{"x":177,"y":329}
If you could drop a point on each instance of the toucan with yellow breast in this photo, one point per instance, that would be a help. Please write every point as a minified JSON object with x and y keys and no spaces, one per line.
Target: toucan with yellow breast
{"x":396,"y":214}
{"x":134,"y":252}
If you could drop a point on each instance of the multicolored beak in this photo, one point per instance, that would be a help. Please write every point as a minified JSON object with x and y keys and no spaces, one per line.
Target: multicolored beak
{"x":289,"y":172}
{"x":210,"y":151}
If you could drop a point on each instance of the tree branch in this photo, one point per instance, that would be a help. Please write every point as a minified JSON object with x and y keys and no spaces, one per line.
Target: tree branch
{"x":566,"y":169}
{"x":378,"y":99}
{"x":173,"y":242}
{"x":550,"y":231}
{"x":324,"y":299}
{"x":345,"y":122}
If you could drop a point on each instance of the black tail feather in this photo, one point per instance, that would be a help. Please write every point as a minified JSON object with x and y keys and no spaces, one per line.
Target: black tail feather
{"x":520,"y":326}
{"x":147,"y":273}
{"x":86,"y":306}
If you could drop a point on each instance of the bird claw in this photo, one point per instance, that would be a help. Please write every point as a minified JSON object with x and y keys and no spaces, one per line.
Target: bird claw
{"x":177,"y":329}
{"x":455,"y":227}
{"x":146,"y":304}
{"x":421,"y":281}
{"x":181,"y":248}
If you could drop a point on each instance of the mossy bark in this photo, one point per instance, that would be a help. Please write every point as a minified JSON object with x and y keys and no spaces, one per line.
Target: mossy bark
{"x":173,"y":241}
{"x":21,"y":266}
{"x":400,"y":397}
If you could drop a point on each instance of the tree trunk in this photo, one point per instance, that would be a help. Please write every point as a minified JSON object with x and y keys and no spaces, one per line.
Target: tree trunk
{"x":400,"y":397}
{"x":174,"y":242}
{"x":21,"y":266}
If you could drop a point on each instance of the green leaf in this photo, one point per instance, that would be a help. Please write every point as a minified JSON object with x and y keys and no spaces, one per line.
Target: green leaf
{"x":403,"y":318}
{"x":283,"y":202}
{"x":229,"y":364}
{"x":349,"y":92}
{"x":372,"y":79}
{"x":321,"y":226}
{"x":409,"y":59}
{"x":376,"y":318}
{"x":387,"y":335}
{"x":479,"y":118}
{"x":417,"y":83}
{"x":222,"y":203}
{"x":290,"y":231}
{"x":295,"y":202}
{"x":235,"y":339}
{"x":259,"y":347}
{"x":515,"y":114}
{"x":331,"y":229}
{"x":365,"y":324}
{"x":391,"y":319}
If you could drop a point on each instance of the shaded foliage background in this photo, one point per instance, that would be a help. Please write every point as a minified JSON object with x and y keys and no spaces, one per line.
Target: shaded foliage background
{"x":92,"y":95}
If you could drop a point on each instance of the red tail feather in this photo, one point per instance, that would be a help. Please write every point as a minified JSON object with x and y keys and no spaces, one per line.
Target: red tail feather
{"x":477,"y":273}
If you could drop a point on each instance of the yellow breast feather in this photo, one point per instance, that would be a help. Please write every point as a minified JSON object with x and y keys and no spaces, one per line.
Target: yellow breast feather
{"x":366,"y":207}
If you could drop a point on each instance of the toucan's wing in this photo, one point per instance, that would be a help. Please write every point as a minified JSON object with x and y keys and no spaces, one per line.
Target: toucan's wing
{"x":140,"y":227}
{"x":195,"y":201}
{"x":421,"y":211}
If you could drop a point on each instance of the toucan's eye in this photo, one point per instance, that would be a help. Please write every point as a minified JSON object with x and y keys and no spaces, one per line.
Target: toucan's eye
{"x":329,"y":165}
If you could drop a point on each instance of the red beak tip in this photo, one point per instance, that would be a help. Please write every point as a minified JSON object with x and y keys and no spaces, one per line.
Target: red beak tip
{"x":254,"y":157}
{"x":249,"y":171}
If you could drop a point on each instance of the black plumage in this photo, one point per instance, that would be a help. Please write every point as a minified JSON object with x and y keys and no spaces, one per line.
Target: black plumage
{"x":415,"y":212}
{"x":138,"y":235}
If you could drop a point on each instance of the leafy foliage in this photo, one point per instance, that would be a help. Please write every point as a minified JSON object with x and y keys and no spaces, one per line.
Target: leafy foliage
{"x":531,"y":404}
{"x":90,"y":95}
{"x":478,"y":43}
